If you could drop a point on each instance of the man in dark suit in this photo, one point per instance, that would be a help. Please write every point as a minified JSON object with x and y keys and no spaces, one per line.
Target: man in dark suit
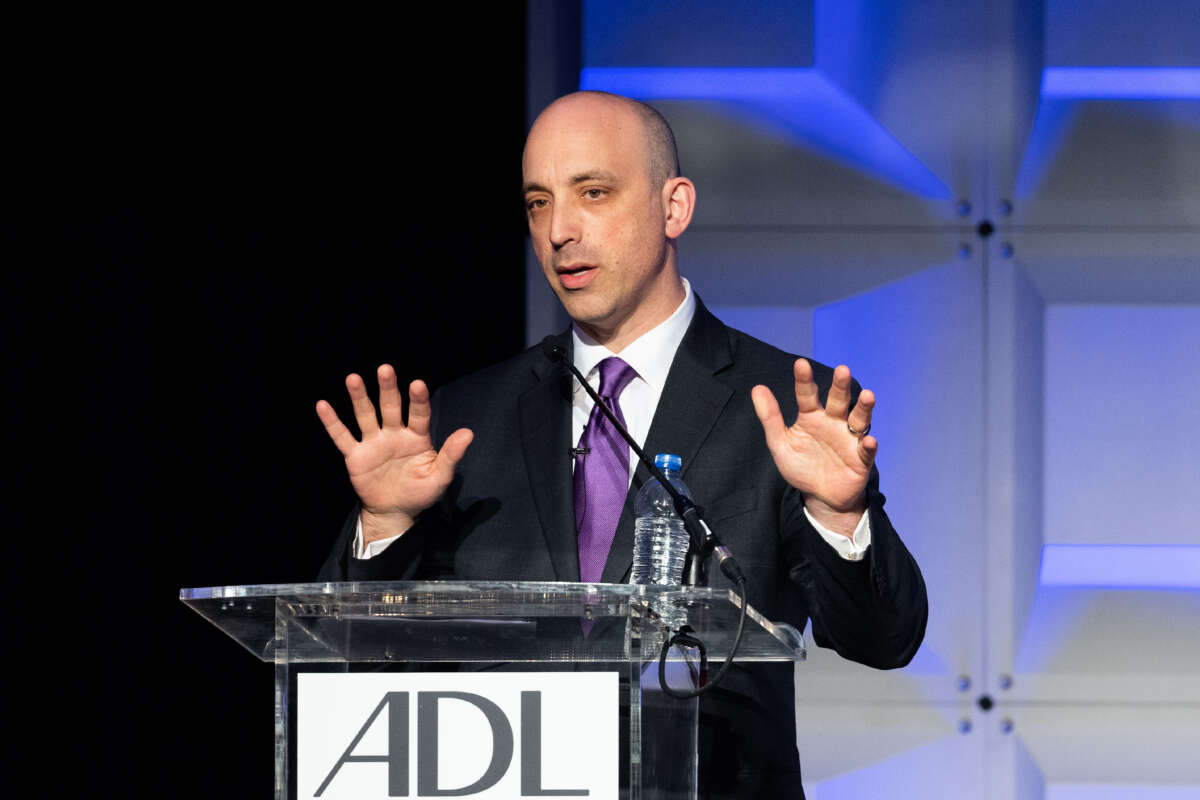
{"x":798,"y":505}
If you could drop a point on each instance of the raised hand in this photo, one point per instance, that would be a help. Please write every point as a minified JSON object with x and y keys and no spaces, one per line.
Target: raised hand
{"x":826,"y":453}
{"x":394,"y":469}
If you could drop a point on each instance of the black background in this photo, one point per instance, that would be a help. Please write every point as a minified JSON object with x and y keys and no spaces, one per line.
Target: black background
{"x":230,"y":214}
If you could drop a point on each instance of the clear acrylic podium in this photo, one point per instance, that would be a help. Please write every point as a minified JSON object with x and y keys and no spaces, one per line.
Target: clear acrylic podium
{"x":536,"y":627}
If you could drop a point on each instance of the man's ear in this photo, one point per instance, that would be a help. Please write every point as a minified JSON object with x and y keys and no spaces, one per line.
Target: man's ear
{"x":679,"y":201}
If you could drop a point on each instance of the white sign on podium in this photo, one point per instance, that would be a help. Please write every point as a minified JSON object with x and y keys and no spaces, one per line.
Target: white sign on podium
{"x":442,"y":734}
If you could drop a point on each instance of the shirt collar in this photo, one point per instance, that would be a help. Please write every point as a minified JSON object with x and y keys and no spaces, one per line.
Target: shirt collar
{"x":650,"y":354}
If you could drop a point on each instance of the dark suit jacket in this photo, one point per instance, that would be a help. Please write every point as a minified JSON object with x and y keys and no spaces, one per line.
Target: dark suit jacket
{"x":509,"y":515}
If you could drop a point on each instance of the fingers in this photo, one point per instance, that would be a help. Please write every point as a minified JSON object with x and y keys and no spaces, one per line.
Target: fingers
{"x":364,"y":411}
{"x":389,"y":397}
{"x":860,"y":417}
{"x":418,"y":409}
{"x":807,"y":398}
{"x":454,"y":448}
{"x":868,"y":447}
{"x":390,"y":403}
{"x":838,"y":401}
{"x":342,"y":438}
{"x":767,"y":409}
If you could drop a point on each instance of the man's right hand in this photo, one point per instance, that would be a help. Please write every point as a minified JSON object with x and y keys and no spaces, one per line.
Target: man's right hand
{"x":394,"y":469}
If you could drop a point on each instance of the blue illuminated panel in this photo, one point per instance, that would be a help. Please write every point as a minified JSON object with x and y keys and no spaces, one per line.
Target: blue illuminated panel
{"x":1063,"y":88}
{"x":806,"y":103}
{"x":1122,"y":83}
{"x":703,"y":83}
{"x":708,"y":33}
{"x":1120,"y":566}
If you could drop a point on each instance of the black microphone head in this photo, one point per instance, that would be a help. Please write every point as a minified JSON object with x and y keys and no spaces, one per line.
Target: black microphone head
{"x":552,"y":350}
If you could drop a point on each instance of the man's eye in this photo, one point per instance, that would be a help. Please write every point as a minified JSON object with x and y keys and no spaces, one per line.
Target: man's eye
{"x":535,"y":204}
{"x":594,"y":194}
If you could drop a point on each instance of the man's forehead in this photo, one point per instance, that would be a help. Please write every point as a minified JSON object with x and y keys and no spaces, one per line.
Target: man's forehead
{"x":586,"y":110}
{"x":571,"y":139}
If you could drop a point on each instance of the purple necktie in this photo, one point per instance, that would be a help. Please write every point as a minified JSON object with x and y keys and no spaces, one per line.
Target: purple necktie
{"x":602,"y":474}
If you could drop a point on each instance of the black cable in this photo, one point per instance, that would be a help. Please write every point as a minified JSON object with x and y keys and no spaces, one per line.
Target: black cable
{"x":684,"y":637}
{"x":703,"y":541}
{"x":683,"y":505}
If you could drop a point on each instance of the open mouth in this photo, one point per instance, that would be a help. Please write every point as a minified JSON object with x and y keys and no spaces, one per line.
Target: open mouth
{"x":575,"y":276}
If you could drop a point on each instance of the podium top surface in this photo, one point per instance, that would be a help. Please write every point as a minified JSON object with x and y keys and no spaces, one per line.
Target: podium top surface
{"x":462,"y":621}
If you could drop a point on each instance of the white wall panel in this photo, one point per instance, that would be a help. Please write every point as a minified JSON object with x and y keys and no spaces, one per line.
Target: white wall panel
{"x":918,"y":344}
{"x":948,"y":767}
{"x":1014,"y":419}
{"x":1122,"y":391}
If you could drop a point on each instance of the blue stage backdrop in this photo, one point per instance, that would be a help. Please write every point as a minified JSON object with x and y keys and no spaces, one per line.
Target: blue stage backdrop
{"x":991,"y":212}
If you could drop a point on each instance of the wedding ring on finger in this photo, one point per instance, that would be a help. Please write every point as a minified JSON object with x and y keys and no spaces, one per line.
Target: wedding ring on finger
{"x":859,"y":434}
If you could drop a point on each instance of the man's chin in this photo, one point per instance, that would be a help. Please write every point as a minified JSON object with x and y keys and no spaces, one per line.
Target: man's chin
{"x":590,"y":319}
{"x":583,"y":307}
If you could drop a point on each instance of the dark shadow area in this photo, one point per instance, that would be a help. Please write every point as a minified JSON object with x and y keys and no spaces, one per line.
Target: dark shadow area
{"x":241,"y":211}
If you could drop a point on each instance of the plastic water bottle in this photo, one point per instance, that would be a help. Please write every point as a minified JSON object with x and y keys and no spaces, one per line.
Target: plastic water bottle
{"x":660,"y":542}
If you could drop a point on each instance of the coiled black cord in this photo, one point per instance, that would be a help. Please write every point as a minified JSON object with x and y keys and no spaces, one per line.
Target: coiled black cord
{"x":684,"y":638}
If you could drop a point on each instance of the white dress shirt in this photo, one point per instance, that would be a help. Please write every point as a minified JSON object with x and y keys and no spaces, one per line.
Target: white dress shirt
{"x":650,"y":355}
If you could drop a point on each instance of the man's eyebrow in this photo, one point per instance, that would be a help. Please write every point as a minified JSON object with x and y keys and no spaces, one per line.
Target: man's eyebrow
{"x":583,"y":177}
{"x":594,"y":175}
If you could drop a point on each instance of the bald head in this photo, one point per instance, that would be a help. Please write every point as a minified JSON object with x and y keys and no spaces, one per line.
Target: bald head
{"x":662,"y":157}
{"x":660,"y":142}
{"x":605,"y":205}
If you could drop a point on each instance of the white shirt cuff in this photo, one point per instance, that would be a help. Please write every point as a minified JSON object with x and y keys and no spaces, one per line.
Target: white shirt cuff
{"x":373,"y":548}
{"x":850,"y":548}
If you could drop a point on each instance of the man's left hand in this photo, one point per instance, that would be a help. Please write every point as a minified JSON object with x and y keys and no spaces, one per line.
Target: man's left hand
{"x":826,"y":453}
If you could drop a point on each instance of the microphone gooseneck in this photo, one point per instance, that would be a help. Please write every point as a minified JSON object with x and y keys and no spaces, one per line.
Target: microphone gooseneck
{"x":703,"y":540}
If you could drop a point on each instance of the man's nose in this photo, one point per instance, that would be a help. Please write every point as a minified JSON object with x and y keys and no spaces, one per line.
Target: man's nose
{"x":564,"y":225}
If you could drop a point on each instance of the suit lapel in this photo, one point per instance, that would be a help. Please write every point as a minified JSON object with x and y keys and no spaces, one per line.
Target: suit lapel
{"x":690,"y":405}
{"x":545,"y":420}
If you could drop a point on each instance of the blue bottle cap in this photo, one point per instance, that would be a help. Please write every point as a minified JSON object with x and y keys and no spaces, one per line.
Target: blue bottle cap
{"x":665,"y":461}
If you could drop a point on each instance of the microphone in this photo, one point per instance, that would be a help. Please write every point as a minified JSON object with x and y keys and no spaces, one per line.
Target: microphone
{"x":703,"y":540}
{"x":554,"y":351}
